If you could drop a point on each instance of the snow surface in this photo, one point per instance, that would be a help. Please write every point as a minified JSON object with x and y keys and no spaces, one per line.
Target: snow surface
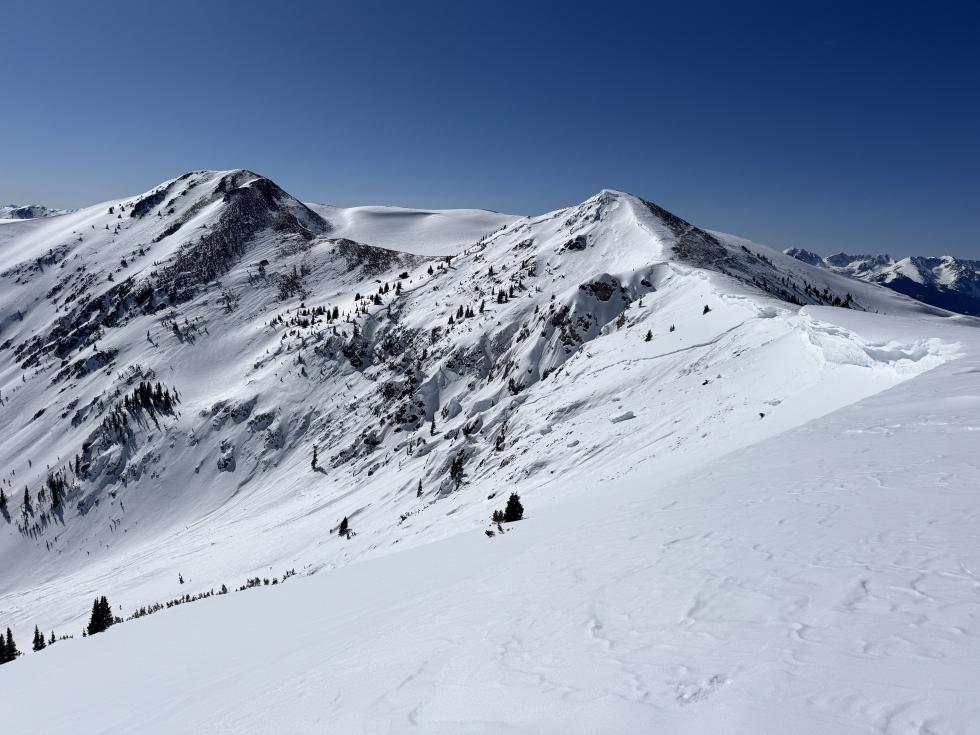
{"x":761,"y":520}
{"x":419,"y":231}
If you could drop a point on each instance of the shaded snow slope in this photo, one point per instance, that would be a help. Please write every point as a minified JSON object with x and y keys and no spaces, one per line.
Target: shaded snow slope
{"x":419,"y":231}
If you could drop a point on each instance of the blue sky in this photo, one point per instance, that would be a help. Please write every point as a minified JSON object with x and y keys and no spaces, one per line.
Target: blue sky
{"x":832,"y":126}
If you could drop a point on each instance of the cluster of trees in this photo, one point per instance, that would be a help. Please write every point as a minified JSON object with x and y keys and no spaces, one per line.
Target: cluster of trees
{"x":150,"y":397}
{"x":57,"y":485}
{"x":39,"y":643}
{"x":513,"y":511}
{"x":101,"y":619}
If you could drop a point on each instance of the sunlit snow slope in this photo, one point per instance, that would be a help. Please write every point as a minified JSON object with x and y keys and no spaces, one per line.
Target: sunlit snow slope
{"x":726,"y":478}
{"x":420,"y":231}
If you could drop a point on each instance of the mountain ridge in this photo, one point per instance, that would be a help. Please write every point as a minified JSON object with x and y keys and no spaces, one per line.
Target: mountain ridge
{"x":269,"y":333}
{"x":944,"y":281}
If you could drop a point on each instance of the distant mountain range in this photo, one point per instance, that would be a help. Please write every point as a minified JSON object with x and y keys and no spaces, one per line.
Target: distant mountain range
{"x":947,"y":282}
{"x":29,"y":211}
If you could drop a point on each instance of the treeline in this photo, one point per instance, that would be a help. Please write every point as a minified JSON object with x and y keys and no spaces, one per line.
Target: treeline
{"x":102,"y":618}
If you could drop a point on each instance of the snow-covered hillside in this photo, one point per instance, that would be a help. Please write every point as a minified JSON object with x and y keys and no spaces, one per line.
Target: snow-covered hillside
{"x":419,"y":231}
{"x":947,"y":282}
{"x":647,"y":387}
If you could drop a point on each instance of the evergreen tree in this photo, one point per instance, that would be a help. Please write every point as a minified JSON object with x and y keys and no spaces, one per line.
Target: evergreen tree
{"x":342,"y":531}
{"x":456,"y":471}
{"x":106,"y":614}
{"x":93,"y":620}
{"x":3,"y":649}
{"x":418,"y":493}
{"x":514,"y":510}
{"x":51,"y":642}
{"x":39,"y":643}
{"x":649,"y":336}
{"x":706,"y":309}
{"x":3,"y":501}
{"x":101,"y":618}
{"x":314,"y":457}
{"x":10,"y":650}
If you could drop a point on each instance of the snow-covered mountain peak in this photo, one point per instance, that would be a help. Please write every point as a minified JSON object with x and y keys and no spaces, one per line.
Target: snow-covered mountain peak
{"x":944,"y":281}
{"x":211,"y":382}
{"x":28,"y":211}
{"x":526,"y":347}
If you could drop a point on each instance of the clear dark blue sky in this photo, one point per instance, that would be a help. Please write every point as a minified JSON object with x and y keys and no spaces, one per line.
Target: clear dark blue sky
{"x":826,"y":125}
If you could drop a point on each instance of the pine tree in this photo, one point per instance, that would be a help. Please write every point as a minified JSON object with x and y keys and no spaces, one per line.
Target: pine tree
{"x":706,"y":309}
{"x":93,"y":621}
{"x":10,"y":650}
{"x":101,"y":618}
{"x":52,"y":641}
{"x":342,"y":531}
{"x":3,"y":649}
{"x":39,"y":643}
{"x":106,"y":614}
{"x":418,"y":493}
{"x":314,"y":457}
{"x":649,"y":336}
{"x":456,"y":471}
{"x":514,"y":510}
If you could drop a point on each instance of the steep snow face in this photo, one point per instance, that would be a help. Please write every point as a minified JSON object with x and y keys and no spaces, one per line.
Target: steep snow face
{"x":947,"y":282}
{"x":606,"y":337}
{"x":420,"y":231}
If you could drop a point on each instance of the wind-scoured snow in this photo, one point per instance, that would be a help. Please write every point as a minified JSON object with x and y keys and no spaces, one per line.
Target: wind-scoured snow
{"x":747,"y":510}
{"x":419,"y":231}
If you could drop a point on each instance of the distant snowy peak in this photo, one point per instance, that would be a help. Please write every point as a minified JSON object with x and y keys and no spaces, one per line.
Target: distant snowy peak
{"x":30,"y":211}
{"x":947,"y":282}
{"x":806,"y":256}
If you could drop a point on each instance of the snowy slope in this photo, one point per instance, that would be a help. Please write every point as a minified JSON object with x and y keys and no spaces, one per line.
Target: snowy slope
{"x":947,"y":282}
{"x":822,"y":581}
{"x":528,"y":349}
{"x":419,"y":231}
